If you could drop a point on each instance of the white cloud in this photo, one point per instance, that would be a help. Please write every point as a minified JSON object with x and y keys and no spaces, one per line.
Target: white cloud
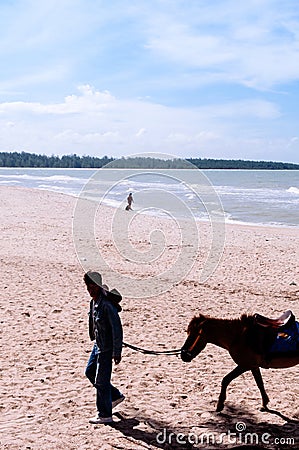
{"x":90,"y":101}
{"x":14,"y":85}
{"x":253,"y":43}
{"x":73,"y":137}
{"x":94,"y":122}
{"x":141,"y":132}
{"x":246,"y":108}
{"x":209,"y":77}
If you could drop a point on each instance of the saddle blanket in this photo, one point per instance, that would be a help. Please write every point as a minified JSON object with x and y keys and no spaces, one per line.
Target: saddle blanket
{"x":287,"y":340}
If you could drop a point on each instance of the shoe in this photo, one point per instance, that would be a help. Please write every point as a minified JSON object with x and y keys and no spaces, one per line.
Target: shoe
{"x":98,"y":420}
{"x":118,"y":401}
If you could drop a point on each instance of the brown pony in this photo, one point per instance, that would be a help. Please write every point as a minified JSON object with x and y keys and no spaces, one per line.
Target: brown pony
{"x":244,"y":339}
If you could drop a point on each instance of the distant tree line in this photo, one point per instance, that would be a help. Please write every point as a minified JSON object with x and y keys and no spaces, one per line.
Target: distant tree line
{"x":150,"y":163}
{"x":241,"y":164}
{"x":24,"y":159}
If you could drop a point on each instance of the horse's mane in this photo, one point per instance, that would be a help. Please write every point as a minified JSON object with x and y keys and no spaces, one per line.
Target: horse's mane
{"x":245,"y":319}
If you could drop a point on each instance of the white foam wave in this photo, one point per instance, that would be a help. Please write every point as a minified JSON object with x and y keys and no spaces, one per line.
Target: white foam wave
{"x":190,"y":196}
{"x":293,"y":190}
{"x":5,"y":182}
{"x":59,"y":178}
{"x":51,"y":187}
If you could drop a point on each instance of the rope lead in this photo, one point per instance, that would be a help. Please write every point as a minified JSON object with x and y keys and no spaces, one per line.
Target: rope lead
{"x":152,"y":352}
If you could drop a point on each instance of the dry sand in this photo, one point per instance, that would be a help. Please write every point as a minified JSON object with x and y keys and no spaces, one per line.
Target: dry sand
{"x":46,"y":400}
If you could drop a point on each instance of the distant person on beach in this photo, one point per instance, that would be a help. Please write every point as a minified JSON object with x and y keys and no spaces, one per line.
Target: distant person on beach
{"x":130,"y":201}
{"x":106,"y":329}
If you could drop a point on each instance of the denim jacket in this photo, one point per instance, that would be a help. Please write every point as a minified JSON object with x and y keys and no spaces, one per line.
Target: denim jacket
{"x":105,"y":326}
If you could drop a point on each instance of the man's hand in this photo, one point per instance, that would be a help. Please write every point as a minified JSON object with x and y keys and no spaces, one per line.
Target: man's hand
{"x":117,"y":359}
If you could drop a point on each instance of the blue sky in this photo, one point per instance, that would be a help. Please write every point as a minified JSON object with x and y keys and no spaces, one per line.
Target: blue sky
{"x":191,"y":78}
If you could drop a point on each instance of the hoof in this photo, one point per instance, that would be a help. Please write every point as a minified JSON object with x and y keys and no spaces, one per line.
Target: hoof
{"x":264,"y":408}
{"x":220,"y":407}
{"x":265,"y":405}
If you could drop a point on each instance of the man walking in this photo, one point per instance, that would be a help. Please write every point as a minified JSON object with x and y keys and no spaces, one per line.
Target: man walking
{"x":130,"y":201}
{"x":106,"y":328}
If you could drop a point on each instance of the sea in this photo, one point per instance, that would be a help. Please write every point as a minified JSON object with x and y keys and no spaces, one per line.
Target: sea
{"x":263,"y":197}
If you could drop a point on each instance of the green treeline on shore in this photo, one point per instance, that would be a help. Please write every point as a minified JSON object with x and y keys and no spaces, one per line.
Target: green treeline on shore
{"x":24,"y":159}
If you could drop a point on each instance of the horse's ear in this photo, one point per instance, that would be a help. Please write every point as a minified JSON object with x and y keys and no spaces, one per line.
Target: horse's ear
{"x":191,"y":323}
{"x":197,"y":321}
{"x":247,"y":319}
{"x":201,"y":318}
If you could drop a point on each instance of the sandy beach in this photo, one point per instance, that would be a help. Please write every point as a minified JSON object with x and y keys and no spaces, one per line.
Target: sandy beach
{"x":46,"y":400}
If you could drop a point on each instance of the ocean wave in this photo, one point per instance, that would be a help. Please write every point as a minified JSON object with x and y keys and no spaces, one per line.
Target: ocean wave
{"x":5,"y":182}
{"x":293,"y":190}
{"x":55,"y":178}
{"x":50,"y":187}
{"x":246,"y":197}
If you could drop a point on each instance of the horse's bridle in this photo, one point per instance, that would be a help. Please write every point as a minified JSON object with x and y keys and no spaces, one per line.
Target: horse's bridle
{"x":188,"y":352}
{"x":194,"y":343}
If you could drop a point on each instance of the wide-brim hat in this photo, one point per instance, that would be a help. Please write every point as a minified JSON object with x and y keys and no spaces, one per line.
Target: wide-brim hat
{"x":93,"y":277}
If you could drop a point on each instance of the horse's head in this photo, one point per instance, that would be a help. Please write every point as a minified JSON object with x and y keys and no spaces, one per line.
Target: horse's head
{"x":195,"y":341}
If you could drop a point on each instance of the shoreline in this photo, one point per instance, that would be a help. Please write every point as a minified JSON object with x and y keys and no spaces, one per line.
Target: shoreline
{"x":246,"y":199}
{"x":155,"y":169}
{"x":228,"y":222}
{"x":47,"y":400}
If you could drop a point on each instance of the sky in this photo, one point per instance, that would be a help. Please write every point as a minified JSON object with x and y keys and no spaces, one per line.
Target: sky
{"x":189,"y":78}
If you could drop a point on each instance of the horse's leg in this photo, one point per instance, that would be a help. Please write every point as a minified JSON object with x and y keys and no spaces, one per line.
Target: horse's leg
{"x":225,"y":382}
{"x":260,"y":384}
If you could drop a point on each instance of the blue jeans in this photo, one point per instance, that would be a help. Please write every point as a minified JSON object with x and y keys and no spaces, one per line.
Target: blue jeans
{"x":98,"y":371}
